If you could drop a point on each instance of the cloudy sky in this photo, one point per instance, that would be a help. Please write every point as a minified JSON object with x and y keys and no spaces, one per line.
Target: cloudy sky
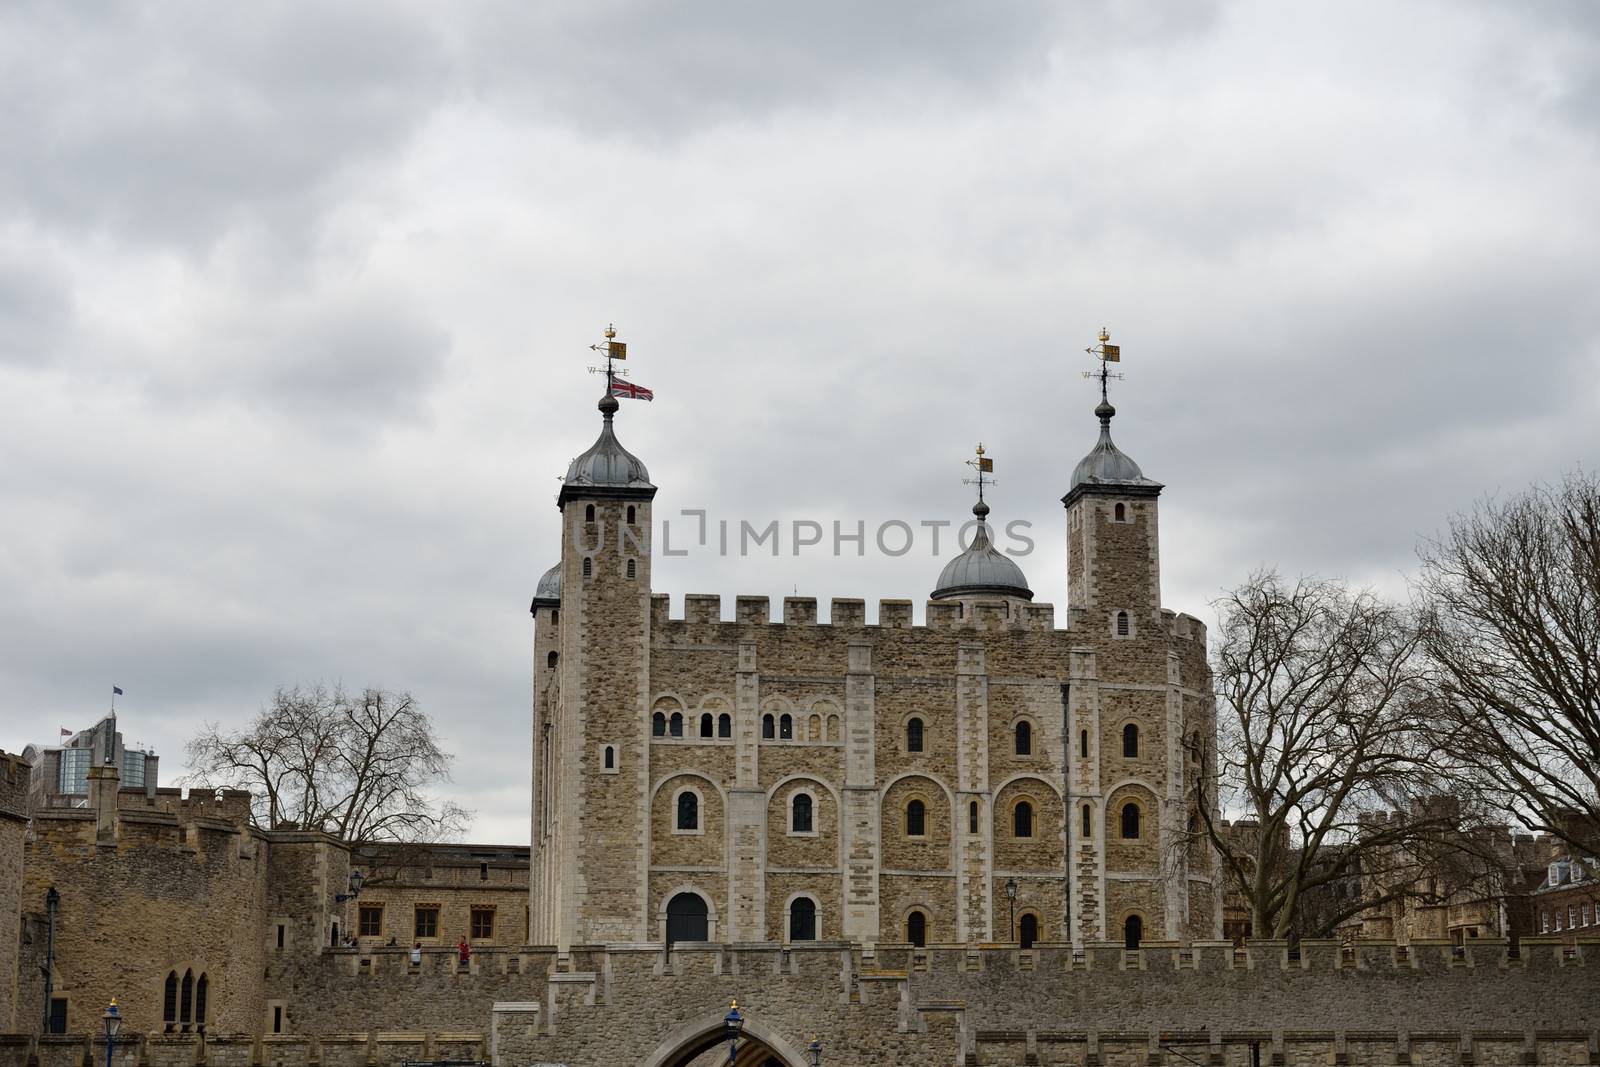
{"x":295,"y":304}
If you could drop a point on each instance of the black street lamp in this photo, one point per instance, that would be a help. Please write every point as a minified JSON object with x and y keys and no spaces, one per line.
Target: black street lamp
{"x":814,"y":1050}
{"x":1011,"y":899}
{"x":356,"y":878}
{"x":734,"y":1023}
{"x":113,"y":1021}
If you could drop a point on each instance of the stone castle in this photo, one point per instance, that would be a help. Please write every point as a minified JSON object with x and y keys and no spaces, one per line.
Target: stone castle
{"x":753,"y":780}
{"x":964,"y":842}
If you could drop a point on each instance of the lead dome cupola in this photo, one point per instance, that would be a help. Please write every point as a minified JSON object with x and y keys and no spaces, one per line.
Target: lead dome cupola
{"x":982,"y":570}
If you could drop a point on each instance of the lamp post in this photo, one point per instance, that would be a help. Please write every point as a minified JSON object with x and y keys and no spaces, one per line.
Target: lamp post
{"x":356,"y":878}
{"x":113,"y":1021}
{"x":1011,"y":899}
{"x":734,"y":1023}
{"x":814,"y":1050}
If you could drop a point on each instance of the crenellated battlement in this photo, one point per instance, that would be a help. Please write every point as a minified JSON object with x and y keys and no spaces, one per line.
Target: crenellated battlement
{"x":705,"y":609}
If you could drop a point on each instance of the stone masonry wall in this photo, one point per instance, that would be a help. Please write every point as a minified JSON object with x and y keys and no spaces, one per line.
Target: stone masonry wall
{"x":13,"y":823}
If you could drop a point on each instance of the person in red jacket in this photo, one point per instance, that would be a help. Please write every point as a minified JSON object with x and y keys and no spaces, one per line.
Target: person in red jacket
{"x":465,"y":951}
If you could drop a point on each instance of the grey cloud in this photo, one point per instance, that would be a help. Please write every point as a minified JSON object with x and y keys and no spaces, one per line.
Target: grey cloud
{"x":36,"y":310}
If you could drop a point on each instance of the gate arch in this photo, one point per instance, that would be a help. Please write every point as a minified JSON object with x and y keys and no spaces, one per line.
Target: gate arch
{"x":757,"y":1045}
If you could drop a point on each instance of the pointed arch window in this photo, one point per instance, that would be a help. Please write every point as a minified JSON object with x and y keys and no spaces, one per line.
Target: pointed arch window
{"x":1022,"y":819}
{"x":1130,"y":741}
{"x":914,"y":735}
{"x":688,"y":811}
{"x":768,"y":727}
{"x":1130,"y":821}
{"x":610,"y":758}
{"x":917,"y":929}
{"x":800,"y":813}
{"x":916,"y":819}
{"x":169,"y":1001}
{"x":1024,"y":744}
{"x":707,"y":724}
{"x":186,"y":1000}
{"x":200,"y":990}
{"x":724,"y":725}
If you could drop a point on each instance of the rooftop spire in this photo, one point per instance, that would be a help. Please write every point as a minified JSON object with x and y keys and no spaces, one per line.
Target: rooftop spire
{"x":1106,"y":464}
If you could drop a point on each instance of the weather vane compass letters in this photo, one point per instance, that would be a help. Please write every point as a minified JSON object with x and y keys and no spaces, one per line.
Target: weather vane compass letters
{"x":1107,"y":353}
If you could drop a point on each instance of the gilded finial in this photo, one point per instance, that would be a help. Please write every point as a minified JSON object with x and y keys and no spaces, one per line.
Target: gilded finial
{"x":1105,"y":335}
{"x":611,"y":331}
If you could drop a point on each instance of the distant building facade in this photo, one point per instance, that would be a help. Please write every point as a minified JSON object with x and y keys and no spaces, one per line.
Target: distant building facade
{"x":60,"y":774}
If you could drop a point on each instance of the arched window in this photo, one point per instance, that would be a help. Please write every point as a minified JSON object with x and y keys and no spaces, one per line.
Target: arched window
{"x":1132,"y":932}
{"x":1028,"y":929}
{"x":588,"y":567}
{"x":1130,"y":821}
{"x":833,"y":727}
{"x":1121,"y":513}
{"x":186,"y":1000}
{"x":675,"y":724}
{"x":724,"y":725}
{"x":1122,"y":624}
{"x":814,"y":729}
{"x":588,"y":513}
{"x":802,"y":919}
{"x":708,"y":725}
{"x":913,"y":735}
{"x":1088,"y":823}
{"x":200,"y":989}
{"x":1083,"y":743}
{"x":800,"y":813}
{"x":1130,"y":741}
{"x":632,"y":570}
{"x":768,"y":727}
{"x":1022,"y":819}
{"x":658,"y":725}
{"x":630,"y":514}
{"x":785,"y":727}
{"x":555,"y":616}
{"x":917,"y":929}
{"x":609,"y":758}
{"x":1024,"y":738}
{"x":687,"y":918}
{"x":169,"y":1000}
{"x":972,"y":817}
{"x":916,"y":819}
{"x":550,"y":660}
{"x":688,"y":811}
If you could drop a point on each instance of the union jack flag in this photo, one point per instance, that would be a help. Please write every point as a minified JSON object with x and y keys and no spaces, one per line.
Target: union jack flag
{"x":630,"y":390}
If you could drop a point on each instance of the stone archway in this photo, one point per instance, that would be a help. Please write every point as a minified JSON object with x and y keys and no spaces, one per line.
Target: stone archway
{"x":759,"y":1046}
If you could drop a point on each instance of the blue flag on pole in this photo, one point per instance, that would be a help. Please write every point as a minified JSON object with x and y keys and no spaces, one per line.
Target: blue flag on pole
{"x":116,"y":689}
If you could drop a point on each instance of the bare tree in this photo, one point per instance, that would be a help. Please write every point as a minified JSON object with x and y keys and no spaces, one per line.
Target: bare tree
{"x":1511,"y":611}
{"x":1320,"y":738}
{"x":357,"y":767}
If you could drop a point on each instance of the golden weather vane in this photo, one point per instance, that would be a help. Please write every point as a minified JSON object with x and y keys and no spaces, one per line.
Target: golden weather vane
{"x":617,"y":350}
{"x":983,"y":465}
{"x":1106,"y":353}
